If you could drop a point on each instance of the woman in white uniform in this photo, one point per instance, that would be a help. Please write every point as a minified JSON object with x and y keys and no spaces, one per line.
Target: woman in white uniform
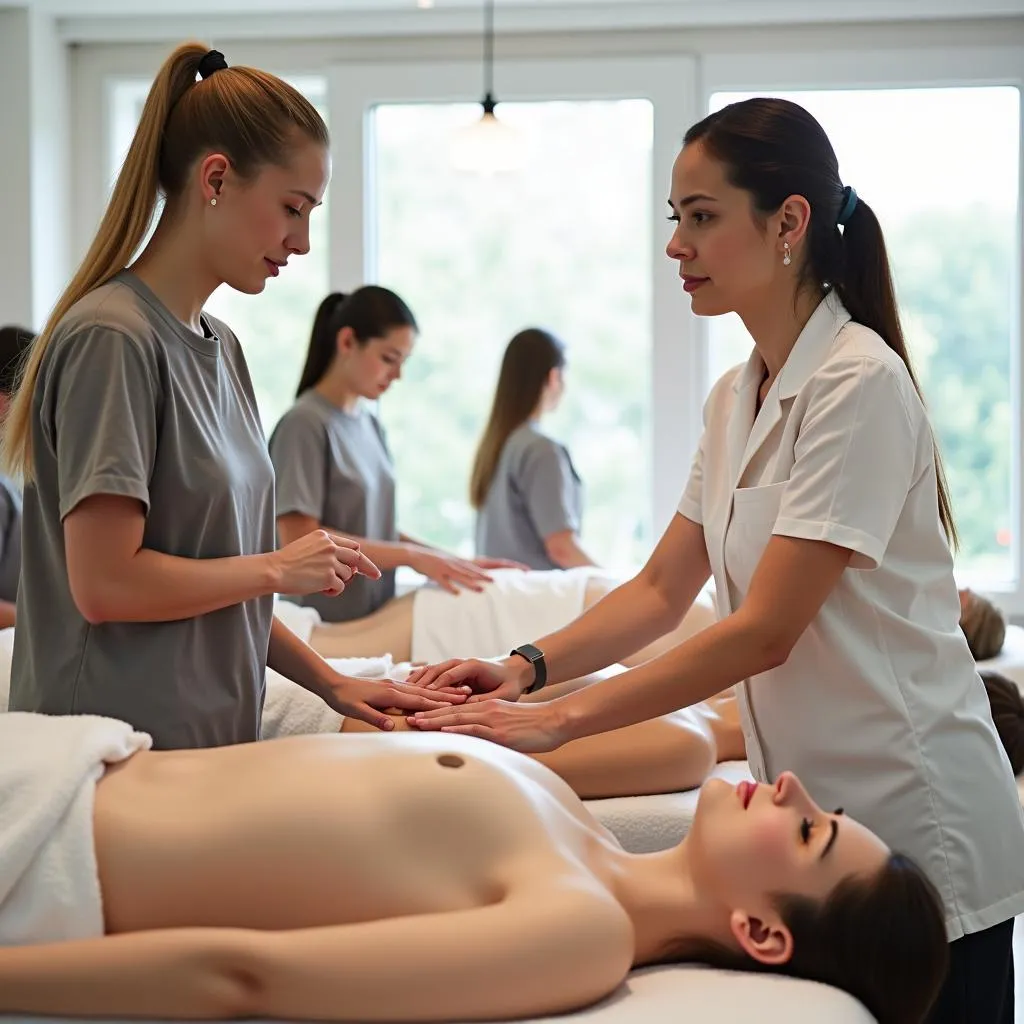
{"x":817,"y":501}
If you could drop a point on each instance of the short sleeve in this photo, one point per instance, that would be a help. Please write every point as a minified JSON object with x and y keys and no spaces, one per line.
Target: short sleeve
{"x":100,"y":412}
{"x":548,"y":481}
{"x":298,"y":450}
{"x":690,"y":502}
{"x":855,"y":458}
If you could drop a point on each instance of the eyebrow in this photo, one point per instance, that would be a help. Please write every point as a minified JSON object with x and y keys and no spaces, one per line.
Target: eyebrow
{"x":312,"y":200}
{"x":696,"y":197}
{"x":831,"y":839}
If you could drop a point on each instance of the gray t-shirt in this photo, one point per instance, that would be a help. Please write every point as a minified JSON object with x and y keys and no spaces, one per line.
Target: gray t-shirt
{"x":335,"y":467}
{"x":130,"y":402}
{"x":535,"y":492}
{"x":10,"y":539}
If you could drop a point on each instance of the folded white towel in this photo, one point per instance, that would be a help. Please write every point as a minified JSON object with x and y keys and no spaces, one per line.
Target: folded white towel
{"x":49,"y":887}
{"x":515,"y":608}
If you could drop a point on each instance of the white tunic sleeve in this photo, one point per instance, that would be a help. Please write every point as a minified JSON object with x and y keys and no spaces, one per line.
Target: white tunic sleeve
{"x":863,"y":443}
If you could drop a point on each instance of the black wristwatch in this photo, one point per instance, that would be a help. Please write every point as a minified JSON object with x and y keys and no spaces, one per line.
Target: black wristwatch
{"x":535,"y":656}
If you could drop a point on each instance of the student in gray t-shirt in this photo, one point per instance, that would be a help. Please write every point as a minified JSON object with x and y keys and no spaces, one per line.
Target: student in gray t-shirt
{"x":527,"y":493}
{"x":14,"y":343}
{"x":333,"y":467}
{"x":149,"y":564}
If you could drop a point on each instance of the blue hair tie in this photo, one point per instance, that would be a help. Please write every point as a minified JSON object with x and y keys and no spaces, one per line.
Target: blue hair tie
{"x":849,"y":205}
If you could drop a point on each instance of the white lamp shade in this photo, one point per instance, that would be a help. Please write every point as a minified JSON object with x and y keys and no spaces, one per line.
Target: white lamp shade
{"x":488,"y":146}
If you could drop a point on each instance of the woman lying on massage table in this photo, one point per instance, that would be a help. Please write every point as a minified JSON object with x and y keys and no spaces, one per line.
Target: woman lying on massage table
{"x":440,"y":878}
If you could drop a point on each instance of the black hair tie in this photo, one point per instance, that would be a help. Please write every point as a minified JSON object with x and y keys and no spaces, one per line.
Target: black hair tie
{"x":212,"y":62}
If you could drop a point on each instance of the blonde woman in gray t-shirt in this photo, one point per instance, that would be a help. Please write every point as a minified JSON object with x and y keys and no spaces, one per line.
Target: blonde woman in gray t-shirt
{"x":149,"y":564}
{"x":524,"y":487}
{"x":331,"y":458}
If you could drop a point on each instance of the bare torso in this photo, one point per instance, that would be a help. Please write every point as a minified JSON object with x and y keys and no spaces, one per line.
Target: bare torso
{"x":329,"y":829}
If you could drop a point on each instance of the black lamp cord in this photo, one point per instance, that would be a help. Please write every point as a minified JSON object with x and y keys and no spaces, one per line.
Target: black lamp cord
{"x":489,"y":102}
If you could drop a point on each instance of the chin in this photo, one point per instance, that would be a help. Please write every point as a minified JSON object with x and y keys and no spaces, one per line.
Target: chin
{"x":707,"y":305}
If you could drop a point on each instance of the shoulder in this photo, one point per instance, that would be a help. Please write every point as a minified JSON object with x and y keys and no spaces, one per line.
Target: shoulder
{"x":529,"y":443}
{"x":113,"y":309}
{"x":721,"y":393}
{"x":581,"y":932}
{"x":861,"y":366}
{"x":303,"y":421}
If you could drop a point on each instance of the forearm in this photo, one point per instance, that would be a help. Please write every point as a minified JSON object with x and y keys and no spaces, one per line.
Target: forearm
{"x":155,"y":587}
{"x":568,"y":554}
{"x":8,"y":614}
{"x":621,"y":623}
{"x":186,"y":973}
{"x":720,"y":656}
{"x":296,"y":660}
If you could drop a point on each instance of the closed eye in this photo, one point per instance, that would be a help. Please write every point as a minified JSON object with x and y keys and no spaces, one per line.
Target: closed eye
{"x":293,"y":211}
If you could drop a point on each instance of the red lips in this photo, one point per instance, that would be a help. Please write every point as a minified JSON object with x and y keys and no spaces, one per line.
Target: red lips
{"x":746,"y":790}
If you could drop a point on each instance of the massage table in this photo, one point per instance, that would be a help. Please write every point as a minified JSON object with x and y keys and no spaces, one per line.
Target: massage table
{"x":679,"y":994}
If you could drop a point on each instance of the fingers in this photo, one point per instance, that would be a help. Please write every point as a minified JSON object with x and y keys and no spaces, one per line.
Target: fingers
{"x":428,"y":673}
{"x":354,"y":561}
{"x":411,"y":701}
{"x":378,"y":719}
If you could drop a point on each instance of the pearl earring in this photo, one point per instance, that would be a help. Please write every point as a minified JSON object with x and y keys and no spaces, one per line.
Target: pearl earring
{"x":786,"y":257}
{"x":213,"y":201}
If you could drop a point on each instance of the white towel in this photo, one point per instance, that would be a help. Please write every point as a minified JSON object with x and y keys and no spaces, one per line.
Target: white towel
{"x":298,"y":618}
{"x":49,"y":886}
{"x":515,"y":608}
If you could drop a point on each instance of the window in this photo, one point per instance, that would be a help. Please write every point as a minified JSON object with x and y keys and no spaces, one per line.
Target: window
{"x":273,"y":327}
{"x":562,"y":244}
{"x":946,"y":195}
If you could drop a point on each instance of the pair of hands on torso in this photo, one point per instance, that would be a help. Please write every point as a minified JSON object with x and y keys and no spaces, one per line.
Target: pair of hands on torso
{"x":489,"y":706}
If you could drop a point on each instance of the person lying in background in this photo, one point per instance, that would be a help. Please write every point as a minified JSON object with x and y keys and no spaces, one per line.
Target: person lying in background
{"x":527,"y":494}
{"x":983,"y":625}
{"x":332,"y":464}
{"x":14,"y":343}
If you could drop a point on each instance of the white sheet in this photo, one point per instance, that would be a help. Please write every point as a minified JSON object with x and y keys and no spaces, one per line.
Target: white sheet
{"x":646,"y":824}
{"x":680,"y":994}
{"x":1010,"y":660}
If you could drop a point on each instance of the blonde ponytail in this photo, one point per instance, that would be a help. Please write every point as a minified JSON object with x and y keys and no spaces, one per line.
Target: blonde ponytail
{"x":121,"y":232}
{"x":248,"y":114}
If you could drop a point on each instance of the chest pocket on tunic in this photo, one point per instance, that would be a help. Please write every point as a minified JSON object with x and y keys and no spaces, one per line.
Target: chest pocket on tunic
{"x":754,"y":511}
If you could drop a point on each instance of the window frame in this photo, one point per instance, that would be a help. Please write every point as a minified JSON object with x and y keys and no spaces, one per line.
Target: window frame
{"x":669,"y":83}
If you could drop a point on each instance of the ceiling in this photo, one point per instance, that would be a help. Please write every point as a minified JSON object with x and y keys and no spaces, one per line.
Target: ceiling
{"x":406,"y":16}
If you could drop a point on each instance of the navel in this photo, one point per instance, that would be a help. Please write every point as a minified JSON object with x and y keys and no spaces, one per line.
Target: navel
{"x":450,"y":761}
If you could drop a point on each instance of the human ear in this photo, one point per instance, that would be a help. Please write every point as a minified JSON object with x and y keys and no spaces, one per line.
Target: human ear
{"x":768,"y":941}
{"x":212,"y":172}
{"x":794,"y":220}
{"x":345,"y":340}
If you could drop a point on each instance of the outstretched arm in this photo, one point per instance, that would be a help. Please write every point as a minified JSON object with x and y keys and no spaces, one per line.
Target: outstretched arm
{"x":542,"y":952}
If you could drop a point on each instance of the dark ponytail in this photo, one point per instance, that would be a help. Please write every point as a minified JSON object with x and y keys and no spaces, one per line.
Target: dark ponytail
{"x":773,"y":149}
{"x":370,"y":311}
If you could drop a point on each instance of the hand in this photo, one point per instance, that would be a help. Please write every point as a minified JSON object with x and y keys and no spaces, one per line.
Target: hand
{"x":367,"y":699}
{"x":320,"y":562}
{"x":449,"y":572}
{"x":500,"y":563}
{"x":528,"y":728}
{"x":502,"y":680}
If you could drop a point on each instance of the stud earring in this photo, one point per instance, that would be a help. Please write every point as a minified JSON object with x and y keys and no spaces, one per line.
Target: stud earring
{"x":213,"y":201}
{"x":786,"y":256}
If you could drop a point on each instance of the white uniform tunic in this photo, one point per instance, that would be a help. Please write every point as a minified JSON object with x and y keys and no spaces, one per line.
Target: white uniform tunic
{"x":879,"y":708}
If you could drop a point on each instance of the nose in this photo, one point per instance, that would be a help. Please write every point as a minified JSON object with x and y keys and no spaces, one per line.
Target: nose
{"x":677,"y":249}
{"x":790,"y":792}
{"x":298,"y":239}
